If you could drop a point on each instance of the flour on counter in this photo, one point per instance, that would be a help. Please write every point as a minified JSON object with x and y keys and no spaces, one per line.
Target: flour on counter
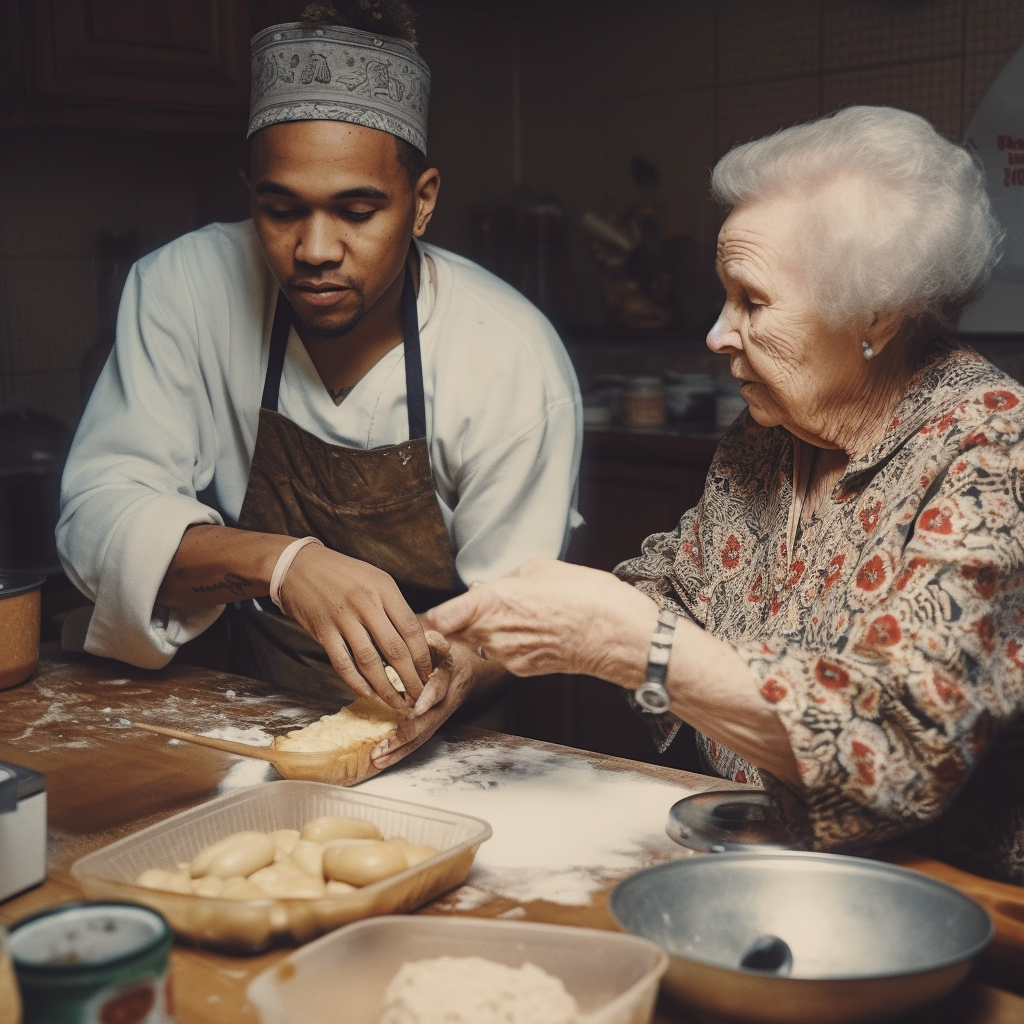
{"x":563,"y":827}
{"x":247,"y":772}
{"x":252,"y":734}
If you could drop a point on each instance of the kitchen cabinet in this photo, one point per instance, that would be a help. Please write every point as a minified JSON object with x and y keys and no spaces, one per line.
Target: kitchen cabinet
{"x":633,"y":484}
{"x":181,"y":66}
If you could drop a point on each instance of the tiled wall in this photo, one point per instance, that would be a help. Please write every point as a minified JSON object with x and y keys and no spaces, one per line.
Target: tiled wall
{"x":555,"y":97}
{"x":58,"y":191}
{"x":680,"y":81}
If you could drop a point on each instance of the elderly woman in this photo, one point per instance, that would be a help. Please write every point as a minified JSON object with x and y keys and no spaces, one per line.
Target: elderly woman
{"x":850,"y":588}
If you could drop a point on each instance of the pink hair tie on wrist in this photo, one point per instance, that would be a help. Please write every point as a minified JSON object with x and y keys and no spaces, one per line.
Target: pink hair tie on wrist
{"x":284,"y":563}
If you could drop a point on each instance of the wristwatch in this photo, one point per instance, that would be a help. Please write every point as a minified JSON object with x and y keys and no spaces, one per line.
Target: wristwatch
{"x":651,"y":694}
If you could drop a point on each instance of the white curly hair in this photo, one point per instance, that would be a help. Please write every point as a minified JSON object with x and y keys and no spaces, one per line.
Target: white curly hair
{"x":923,"y":241}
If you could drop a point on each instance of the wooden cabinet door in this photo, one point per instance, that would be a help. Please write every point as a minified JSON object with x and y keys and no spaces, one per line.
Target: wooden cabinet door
{"x":633,"y":486}
{"x":176,"y":64}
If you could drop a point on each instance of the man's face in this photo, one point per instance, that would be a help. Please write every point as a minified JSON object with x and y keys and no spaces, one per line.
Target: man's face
{"x":334,"y":212}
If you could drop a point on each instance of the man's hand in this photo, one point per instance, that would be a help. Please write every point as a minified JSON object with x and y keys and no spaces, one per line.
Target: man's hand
{"x":456,"y":677}
{"x":353,"y":609}
{"x":358,"y":615}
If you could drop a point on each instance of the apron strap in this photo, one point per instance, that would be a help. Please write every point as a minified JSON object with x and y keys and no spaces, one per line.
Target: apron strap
{"x":415,"y":398}
{"x":278,"y":347}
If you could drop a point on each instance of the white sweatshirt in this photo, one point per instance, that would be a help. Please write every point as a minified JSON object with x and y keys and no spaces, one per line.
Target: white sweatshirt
{"x":176,"y":409}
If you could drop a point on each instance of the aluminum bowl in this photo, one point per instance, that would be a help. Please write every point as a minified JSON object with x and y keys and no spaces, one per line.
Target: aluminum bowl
{"x":795,"y":937}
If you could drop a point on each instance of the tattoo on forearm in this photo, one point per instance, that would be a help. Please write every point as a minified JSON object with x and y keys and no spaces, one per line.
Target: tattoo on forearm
{"x":232,"y":583}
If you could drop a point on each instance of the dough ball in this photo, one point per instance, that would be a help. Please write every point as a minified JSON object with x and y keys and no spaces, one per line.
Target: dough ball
{"x":309,"y":857}
{"x":238,"y":854}
{"x":166,"y":881}
{"x":284,"y":840}
{"x":320,"y":830}
{"x":208,"y":885}
{"x":239,"y":888}
{"x":363,"y":864}
{"x":417,"y":854}
{"x":285,"y":880}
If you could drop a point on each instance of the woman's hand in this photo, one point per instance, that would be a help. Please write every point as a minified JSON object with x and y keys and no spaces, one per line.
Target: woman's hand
{"x":547,"y":617}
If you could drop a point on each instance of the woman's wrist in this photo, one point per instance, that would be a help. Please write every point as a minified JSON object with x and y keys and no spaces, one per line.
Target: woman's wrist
{"x":624,"y":637}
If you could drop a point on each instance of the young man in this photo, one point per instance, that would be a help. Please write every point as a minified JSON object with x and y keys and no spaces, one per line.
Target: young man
{"x":314,"y":416}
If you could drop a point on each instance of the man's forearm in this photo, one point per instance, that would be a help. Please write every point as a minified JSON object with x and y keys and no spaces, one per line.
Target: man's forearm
{"x":217,"y":565}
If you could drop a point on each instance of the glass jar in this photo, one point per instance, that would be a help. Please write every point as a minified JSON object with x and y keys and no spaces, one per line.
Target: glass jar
{"x":643,"y":402}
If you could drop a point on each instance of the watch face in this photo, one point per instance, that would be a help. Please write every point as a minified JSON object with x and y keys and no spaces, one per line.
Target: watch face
{"x":653,"y":697}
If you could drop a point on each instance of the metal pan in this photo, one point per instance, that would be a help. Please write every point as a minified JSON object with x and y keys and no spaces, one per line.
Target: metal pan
{"x":795,"y":938}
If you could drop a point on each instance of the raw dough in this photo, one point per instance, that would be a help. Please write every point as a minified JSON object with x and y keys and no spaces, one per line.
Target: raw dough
{"x":238,"y":854}
{"x":472,"y":990}
{"x":365,"y":720}
{"x":364,"y":863}
{"x":333,"y":826}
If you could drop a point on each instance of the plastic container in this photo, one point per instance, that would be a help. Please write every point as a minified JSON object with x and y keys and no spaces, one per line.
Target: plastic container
{"x":249,"y":926}
{"x":612,"y":976}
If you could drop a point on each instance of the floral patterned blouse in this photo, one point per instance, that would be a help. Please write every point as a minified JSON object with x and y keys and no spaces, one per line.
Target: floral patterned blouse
{"x":890,"y":640}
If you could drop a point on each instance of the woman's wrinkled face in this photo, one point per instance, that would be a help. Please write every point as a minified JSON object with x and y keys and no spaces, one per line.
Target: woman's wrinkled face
{"x":797,"y":372}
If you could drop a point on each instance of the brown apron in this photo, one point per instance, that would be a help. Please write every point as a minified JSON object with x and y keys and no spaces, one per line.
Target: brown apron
{"x":378,"y":506}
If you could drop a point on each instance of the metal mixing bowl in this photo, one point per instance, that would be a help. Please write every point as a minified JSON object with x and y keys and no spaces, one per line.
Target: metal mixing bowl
{"x":802,"y":937}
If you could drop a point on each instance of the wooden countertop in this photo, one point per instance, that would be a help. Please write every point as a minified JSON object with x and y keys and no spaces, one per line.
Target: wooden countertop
{"x":105,"y":780}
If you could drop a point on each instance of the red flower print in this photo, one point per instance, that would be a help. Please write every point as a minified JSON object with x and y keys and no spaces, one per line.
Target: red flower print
{"x":756,"y":593}
{"x":1000,"y":401}
{"x":796,"y":570}
{"x":908,"y":574}
{"x":869,"y":517}
{"x":864,"y":761}
{"x":983,"y":627}
{"x":741,"y":777}
{"x":884,"y":631}
{"x":773,"y":691}
{"x":973,"y":440}
{"x":871,"y":575}
{"x":948,"y":692}
{"x":731,"y":553}
{"x":835,"y":567}
{"x":1014,"y":651}
{"x":692,"y":554}
{"x":936,"y":520}
{"x":713,"y":750}
{"x":831,"y":675}
{"x":776,"y":603}
{"x":984,"y":575}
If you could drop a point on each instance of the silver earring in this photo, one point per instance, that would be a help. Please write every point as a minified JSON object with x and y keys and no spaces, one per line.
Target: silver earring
{"x":868,"y":350}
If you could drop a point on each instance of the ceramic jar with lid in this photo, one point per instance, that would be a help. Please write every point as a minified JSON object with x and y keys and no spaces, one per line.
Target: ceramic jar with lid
{"x":643,"y":402}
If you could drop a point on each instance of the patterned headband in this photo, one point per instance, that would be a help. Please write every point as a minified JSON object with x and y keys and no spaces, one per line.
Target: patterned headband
{"x":313,"y":72}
